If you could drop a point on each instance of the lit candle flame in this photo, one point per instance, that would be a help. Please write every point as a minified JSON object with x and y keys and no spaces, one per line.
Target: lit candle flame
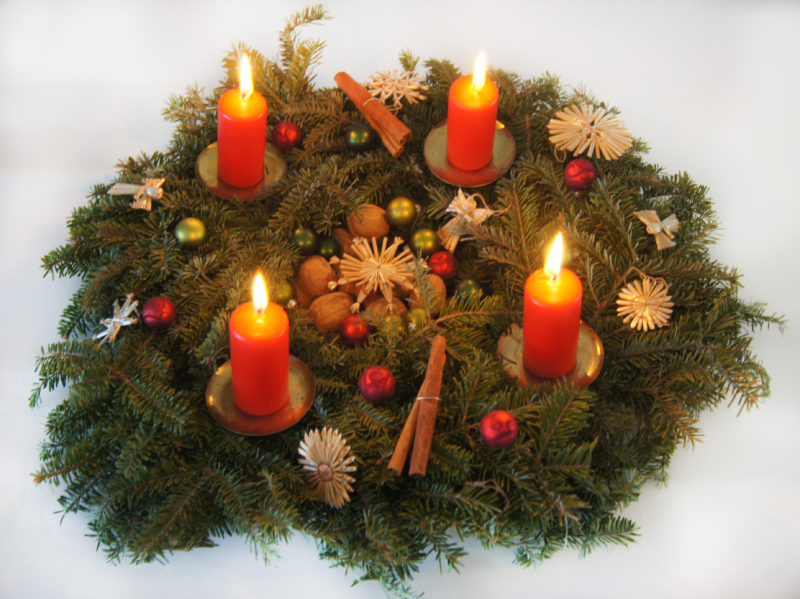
{"x":260,"y":298}
{"x":245,"y":77}
{"x":479,"y":72}
{"x":552,"y":265}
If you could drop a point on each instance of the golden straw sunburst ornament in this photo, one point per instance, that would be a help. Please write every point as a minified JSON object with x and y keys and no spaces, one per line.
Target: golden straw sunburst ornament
{"x":325,"y":456}
{"x":587,"y":129}
{"x":645,"y":304}
{"x":397,"y":86}
{"x":375,"y":269}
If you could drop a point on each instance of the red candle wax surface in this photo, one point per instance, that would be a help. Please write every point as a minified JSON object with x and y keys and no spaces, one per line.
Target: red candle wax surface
{"x":241,"y":133}
{"x":260,"y":358}
{"x":471,"y":120}
{"x":551,"y":322}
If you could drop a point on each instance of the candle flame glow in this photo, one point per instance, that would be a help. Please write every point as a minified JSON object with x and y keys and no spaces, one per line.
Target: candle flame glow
{"x":552,"y":265}
{"x":245,"y":77}
{"x":260,"y":298}
{"x":479,"y":72}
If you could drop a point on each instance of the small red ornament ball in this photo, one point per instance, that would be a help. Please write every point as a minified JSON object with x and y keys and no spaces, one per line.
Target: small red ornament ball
{"x":286,"y":135}
{"x":579,"y":174}
{"x":354,"y":330}
{"x":444,"y":264}
{"x":499,"y":429}
{"x":159,"y":313}
{"x":376,"y":384}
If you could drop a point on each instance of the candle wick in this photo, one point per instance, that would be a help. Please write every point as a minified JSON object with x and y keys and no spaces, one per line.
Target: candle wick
{"x":244,"y":95}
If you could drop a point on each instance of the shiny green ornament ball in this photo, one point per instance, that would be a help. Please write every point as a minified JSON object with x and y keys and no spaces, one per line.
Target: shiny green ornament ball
{"x":401,"y":212}
{"x":190,"y":232}
{"x":468,"y":288}
{"x":425,"y":241}
{"x":328,"y":247}
{"x":282,"y":293}
{"x":416,"y":318}
{"x":359,"y":136}
{"x":305,"y":239}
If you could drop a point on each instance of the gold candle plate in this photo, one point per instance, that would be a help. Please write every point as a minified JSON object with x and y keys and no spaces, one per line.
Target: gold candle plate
{"x":588,"y":365}
{"x":206,"y":169}
{"x":220,"y":403}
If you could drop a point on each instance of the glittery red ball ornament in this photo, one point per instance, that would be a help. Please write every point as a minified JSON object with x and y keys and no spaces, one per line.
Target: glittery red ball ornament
{"x":376,"y":384}
{"x":444,"y":264}
{"x":579,"y":174}
{"x":159,"y":313}
{"x":286,"y":135}
{"x":499,"y":429}
{"x":354,"y":330}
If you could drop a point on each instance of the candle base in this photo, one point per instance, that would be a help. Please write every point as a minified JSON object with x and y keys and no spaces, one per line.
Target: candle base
{"x":587,"y":367}
{"x":503,"y":154}
{"x":220,"y":403}
{"x":206,"y":169}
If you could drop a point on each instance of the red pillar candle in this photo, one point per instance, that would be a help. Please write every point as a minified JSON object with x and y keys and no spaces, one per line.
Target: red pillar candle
{"x":471,"y":119}
{"x":241,"y":132}
{"x":259,"y":333}
{"x":552,"y":316}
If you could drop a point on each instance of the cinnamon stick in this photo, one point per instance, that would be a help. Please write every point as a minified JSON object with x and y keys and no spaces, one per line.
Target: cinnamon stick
{"x":404,"y":441}
{"x":393,"y":133}
{"x":428,"y":400}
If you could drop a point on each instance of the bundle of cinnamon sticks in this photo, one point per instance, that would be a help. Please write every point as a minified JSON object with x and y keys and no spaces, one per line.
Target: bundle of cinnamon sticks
{"x":393,"y":133}
{"x":421,"y":421}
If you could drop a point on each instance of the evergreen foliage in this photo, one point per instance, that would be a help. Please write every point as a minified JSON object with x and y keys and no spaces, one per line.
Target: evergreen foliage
{"x":133,"y":443}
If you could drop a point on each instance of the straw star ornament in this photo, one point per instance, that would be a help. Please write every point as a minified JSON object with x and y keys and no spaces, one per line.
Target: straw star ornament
{"x":325,"y":456}
{"x":124,"y":315}
{"x":587,"y":129}
{"x":397,"y":86}
{"x":645,"y":304}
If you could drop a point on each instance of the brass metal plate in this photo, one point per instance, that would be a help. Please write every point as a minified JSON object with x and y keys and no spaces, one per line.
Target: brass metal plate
{"x":206,"y":169}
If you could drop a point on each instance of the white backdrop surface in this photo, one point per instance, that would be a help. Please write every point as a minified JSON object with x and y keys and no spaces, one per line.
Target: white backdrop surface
{"x":713,"y":88}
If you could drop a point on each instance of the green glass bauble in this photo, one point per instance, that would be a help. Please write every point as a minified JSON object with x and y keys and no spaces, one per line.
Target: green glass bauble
{"x":305,"y":239}
{"x":282,"y":293}
{"x":190,"y":232}
{"x":468,"y":288}
{"x":359,"y":136}
{"x":394,"y":324}
{"x":401,"y":212}
{"x":328,"y":247}
{"x":425,"y":241}
{"x":417,"y":318}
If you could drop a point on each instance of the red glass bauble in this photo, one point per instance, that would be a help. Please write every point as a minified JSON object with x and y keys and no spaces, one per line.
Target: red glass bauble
{"x":579,"y":174}
{"x":376,"y":384}
{"x":286,"y":135}
{"x":354,"y":330}
{"x":444,"y":264}
{"x":159,"y":313}
{"x":499,"y":429}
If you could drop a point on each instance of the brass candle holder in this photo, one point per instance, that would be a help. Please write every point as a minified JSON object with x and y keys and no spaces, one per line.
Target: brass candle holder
{"x":206,"y":169}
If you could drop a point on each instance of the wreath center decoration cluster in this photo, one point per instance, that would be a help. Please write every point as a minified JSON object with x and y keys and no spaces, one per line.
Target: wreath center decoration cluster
{"x":349,"y":241}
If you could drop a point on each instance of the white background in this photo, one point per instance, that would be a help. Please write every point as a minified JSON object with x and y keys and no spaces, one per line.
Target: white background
{"x":713,"y":87}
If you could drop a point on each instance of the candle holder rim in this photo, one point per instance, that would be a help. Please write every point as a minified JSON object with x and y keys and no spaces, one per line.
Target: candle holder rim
{"x":223,"y":408}
{"x":589,"y":362}
{"x":503,"y":155}
{"x":206,"y":169}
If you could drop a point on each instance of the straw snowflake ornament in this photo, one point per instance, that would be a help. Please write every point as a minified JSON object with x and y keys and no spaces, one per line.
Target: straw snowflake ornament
{"x":124,"y":315}
{"x":645,"y":304}
{"x":397,"y":86}
{"x":592,"y":130}
{"x":325,"y":456}
{"x":374,"y":269}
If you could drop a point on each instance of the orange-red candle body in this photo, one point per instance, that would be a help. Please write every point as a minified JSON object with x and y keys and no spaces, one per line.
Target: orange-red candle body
{"x":241,"y":138}
{"x":471,"y":122}
{"x":551,"y":321}
{"x":260,"y":358}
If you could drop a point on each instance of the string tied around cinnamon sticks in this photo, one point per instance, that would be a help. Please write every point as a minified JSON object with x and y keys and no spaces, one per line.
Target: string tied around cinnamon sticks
{"x":392,"y":131}
{"x":421,"y":420}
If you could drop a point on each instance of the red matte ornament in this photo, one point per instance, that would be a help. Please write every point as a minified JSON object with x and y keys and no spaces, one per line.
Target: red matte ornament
{"x":376,"y":384}
{"x":159,"y":313}
{"x":354,"y":330}
{"x":444,"y":264}
{"x":499,"y":429}
{"x":579,"y":174}
{"x":286,"y":135}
